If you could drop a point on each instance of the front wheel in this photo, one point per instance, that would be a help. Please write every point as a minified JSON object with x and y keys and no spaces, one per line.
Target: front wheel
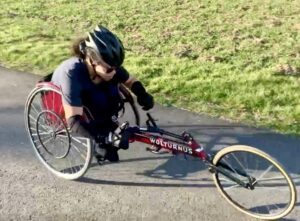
{"x":271,"y":193}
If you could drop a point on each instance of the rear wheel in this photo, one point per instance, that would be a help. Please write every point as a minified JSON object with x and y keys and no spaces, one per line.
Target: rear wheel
{"x":272,"y":194}
{"x":64,"y":155}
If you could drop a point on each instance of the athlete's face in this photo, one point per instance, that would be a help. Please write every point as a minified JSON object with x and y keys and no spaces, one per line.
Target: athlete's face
{"x":103,"y":70}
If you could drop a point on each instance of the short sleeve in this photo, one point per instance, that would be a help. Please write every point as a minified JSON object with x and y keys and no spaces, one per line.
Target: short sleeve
{"x":71,"y":88}
{"x":69,"y":77}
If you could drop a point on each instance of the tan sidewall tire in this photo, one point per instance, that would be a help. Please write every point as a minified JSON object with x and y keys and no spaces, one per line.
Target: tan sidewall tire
{"x":234,"y":148}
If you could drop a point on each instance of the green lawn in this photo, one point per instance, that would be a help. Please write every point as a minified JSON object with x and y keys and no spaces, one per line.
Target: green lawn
{"x":238,"y":60}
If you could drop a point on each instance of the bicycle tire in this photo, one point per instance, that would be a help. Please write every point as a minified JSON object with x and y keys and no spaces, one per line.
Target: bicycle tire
{"x":229,"y":156}
{"x":33,"y":111}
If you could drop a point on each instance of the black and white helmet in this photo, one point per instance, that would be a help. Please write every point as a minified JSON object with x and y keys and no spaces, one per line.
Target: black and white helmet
{"x":105,"y":44}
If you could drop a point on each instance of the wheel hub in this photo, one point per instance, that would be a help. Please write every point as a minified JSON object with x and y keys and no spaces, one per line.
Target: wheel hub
{"x":53,"y":134}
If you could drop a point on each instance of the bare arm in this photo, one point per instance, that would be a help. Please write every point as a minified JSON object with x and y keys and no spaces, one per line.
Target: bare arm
{"x":72,"y":111}
{"x":130,"y":82}
{"x":76,"y":125}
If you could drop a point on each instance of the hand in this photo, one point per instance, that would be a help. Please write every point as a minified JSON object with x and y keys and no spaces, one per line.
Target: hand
{"x":143,"y":98}
{"x":126,"y":135}
{"x":146,"y":101}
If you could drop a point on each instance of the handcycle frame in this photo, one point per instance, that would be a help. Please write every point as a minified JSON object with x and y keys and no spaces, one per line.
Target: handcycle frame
{"x":184,"y":144}
{"x":44,"y":106}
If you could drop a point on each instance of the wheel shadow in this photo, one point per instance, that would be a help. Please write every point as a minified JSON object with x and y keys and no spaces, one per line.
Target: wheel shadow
{"x":173,"y":170}
{"x":213,"y":138}
{"x":179,"y":169}
{"x":143,"y":184}
{"x":266,"y":208}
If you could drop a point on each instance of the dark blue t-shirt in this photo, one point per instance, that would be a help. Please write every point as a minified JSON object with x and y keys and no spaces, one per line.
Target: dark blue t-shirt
{"x":72,"y":77}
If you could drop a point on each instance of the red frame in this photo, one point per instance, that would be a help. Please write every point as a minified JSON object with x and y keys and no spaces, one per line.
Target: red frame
{"x":148,"y":136}
{"x":157,"y":140}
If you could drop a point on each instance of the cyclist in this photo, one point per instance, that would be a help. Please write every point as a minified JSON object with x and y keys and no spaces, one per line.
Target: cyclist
{"x":90,"y":80}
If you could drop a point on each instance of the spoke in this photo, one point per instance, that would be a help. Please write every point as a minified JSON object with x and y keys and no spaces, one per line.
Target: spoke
{"x":34,"y":108}
{"x":231,"y":187}
{"x":68,"y":166}
{"x":256,"y":209}
{"x":42,"y":133}
{"x":273,"y":178}
{"x":272,"y":186}
{"x":224,"y":179}
{"x":264,"y":173}
{"x":60,"y":109}
{"x":64,"y":147}
{"x":80,"y":153}
{"x":44,"y":118}
{"x":39,"y":146}
{"x":268,"y":208}
{"x":228,"y":164}
{"x":75,"y":160}
{"x":56,"y":120}
{"x":59,"y":128}
{"x":45,"y":137}
{"x":239,"y":162}
{"x":62,"y":136}
{"x":46,"y":141}
{"x":229,"y":182}
{"x":78,"y":141}
{"x":45,"y":127}
{"x":42,"y":104}
{"x":77,"y":149}
{"x":45,"y":100}
{"x":267,"y":188}
{"x":34,"y":119}
{"x":257,"y":165}
{"x":53,"y":101}
{"x":60,"y":123}
{"x":277,"y":207}
{"x":72,"y":167}
{"x":31,"y":128}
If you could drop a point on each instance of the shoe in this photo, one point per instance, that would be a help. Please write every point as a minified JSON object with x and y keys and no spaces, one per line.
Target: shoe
{"x":112,"y":154}
{"x":100,"y":153}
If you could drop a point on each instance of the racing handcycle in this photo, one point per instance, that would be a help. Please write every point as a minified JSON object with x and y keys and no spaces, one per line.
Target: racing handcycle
{"x":249,"y":179}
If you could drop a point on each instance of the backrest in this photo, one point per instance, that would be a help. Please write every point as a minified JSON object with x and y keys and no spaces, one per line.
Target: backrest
{"x":51,"y":100}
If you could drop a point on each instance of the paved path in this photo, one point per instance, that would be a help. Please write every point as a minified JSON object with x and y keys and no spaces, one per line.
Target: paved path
{"x":142,"y":186}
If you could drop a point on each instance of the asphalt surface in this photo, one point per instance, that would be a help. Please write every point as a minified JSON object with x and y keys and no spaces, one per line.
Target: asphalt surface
{"x":143,"y":186}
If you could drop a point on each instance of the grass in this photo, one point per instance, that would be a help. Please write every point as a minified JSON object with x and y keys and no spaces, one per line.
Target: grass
{"x":238,"y":60}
